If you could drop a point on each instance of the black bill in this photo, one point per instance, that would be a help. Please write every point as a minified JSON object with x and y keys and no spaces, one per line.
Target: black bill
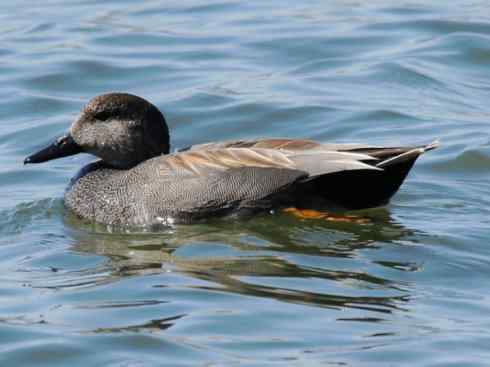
{"x":62,"y":147}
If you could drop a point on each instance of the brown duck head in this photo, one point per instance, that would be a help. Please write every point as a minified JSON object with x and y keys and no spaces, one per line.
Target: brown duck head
{"x":121,"y":129}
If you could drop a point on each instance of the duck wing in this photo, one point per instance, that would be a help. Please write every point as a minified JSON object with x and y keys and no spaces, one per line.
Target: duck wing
{"x":201,"y":162}
{"x":219,"y":178}
{"x":199,"y":183}
{"x":353,"y":185}
{"x":295,"y":145}
{"x":304,"y":145}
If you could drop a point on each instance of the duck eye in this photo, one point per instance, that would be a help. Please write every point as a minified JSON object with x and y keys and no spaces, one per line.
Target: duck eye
{"x":102,"y":115}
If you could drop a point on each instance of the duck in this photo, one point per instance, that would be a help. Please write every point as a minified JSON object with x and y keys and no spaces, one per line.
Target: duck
{"x":137,"y":181}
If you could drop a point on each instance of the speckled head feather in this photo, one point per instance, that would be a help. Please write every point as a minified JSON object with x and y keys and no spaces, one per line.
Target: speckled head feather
{"x":121,"y":129}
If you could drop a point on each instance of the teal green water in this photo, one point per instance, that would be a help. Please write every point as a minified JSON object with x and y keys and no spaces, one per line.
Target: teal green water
{"x":410,"y":288}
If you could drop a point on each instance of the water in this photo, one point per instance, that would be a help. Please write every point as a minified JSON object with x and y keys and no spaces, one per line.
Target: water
{"x":408,"y":288}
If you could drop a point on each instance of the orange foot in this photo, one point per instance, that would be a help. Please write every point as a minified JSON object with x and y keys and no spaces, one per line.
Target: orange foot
{"x":315,"y":214}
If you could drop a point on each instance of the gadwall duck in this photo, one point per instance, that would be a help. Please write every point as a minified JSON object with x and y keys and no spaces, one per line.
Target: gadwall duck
{"x":137,"y":182}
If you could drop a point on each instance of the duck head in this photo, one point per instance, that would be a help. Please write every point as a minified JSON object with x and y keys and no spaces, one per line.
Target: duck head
{"x":121,"y":129}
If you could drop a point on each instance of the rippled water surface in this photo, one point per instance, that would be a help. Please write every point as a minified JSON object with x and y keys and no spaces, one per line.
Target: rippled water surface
{"x":411,"y":287}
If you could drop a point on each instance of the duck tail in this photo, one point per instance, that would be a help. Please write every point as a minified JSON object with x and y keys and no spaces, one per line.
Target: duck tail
{"x":358,"y":189}
{"x":409,"y":155}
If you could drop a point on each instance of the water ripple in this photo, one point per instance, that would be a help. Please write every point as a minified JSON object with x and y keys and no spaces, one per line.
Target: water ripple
{"x":272,"y":289}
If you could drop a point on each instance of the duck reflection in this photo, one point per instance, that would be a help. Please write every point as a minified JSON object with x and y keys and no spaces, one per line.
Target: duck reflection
{"x":273,"y":257}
